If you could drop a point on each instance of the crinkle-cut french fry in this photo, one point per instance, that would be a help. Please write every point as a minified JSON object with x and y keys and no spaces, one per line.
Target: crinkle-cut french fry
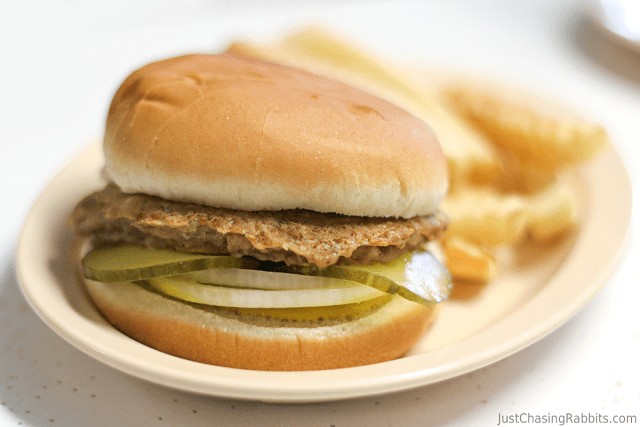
{"x":550,"y":214}
{"x":524,"y":178}
{"x":541,"y":134}
{"x":486,"y":217}
{"x":467,"y":261}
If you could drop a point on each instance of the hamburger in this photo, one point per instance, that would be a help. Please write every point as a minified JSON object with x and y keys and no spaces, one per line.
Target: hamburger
{"x":259,"y":216}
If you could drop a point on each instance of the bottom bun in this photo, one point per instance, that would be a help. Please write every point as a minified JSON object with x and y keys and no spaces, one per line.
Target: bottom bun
{"x":213,"y":337}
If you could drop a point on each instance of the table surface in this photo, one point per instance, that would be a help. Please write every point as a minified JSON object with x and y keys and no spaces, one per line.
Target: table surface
{"x":59,"y":65}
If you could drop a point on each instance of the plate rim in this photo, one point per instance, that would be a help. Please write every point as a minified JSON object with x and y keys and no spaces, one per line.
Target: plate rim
{"x":382,"y":378}
{"x":602,"y":21}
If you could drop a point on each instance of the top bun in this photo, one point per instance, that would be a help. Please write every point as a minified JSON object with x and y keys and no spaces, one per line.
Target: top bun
{"x":235,"y":132}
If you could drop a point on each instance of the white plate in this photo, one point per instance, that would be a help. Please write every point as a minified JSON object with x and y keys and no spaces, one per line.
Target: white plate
{"x":538,"y":292}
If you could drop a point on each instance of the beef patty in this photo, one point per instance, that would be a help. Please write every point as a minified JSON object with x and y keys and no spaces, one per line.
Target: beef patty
{"x":294,"y":236}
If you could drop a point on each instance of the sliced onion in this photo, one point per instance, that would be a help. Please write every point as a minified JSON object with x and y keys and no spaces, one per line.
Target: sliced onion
{"x":268,"y":280}
{"x":187,"y":290}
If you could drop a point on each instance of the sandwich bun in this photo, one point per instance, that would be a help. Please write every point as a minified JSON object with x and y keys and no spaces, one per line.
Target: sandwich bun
{"x":209,"y":336}
{"x":234,"y":132}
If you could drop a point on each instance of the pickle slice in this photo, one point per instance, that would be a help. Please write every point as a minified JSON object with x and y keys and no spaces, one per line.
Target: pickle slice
{"x":267,"y":280}
{"x":222,"y":296}
{"x":314,"y":314}
{"x":127,"y":263}
{"x":417,"y":277}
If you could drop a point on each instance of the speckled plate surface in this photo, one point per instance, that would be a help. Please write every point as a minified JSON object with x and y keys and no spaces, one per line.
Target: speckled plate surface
{"x":539,"y":291}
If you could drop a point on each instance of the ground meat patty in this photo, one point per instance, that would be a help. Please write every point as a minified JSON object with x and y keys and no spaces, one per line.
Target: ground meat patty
{"x":294,"y":236}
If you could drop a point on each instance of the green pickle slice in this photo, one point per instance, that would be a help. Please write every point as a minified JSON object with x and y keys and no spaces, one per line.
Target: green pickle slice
{"x":128,"y":263}
{"x":235,"y":282}
{"x":315,"y":314}
{"x":416,"y":276}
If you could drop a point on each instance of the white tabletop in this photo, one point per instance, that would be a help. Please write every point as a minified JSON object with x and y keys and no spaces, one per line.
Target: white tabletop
{"x":59,"y":65}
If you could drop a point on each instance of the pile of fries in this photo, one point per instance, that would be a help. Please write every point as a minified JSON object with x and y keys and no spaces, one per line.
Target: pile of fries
{"x":506,"y":149}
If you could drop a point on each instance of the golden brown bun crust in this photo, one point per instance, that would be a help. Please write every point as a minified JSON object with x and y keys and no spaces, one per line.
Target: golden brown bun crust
{"x":235,"y":132}
{"x":184,"y":331}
